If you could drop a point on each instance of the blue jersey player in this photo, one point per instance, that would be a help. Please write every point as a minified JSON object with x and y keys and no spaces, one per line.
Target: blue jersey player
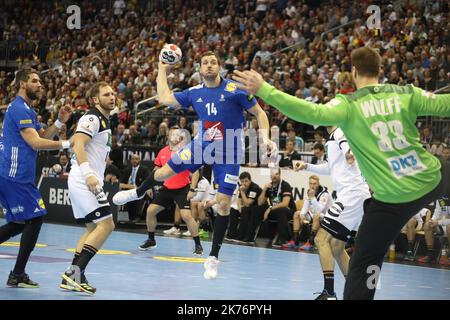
{"x":221,"y":107}
{"x":19,"y":197}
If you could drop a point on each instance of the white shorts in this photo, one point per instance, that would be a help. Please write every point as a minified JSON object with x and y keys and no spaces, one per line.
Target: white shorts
{"x":347,"y":210}
{"x":84,"y":202}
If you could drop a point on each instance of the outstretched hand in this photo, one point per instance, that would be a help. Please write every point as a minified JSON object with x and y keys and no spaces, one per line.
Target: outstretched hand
{"x":64,"y":113}
{"x":249,"y":80}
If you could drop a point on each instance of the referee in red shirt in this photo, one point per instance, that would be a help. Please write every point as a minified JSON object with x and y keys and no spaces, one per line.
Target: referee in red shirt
{"x":178,"y":189}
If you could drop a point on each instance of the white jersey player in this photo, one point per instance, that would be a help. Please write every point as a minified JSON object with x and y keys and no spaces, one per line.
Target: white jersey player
{"x":345,"y":215}
{"x":92,"y":143}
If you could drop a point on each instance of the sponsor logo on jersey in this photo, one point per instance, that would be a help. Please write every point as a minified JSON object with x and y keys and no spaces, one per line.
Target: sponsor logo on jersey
{"x":406,"y":165}
{"x":26,"y":121}
{"x":17,"y":209}
{"x":37,"y":210}
{"x":252,"y":194}
{"x":103,"y":124}
{"x":185,"y":154}
{"x":250,"y":97}
{"x":231,"y":179}
{"x":41,"y":203}
{"x":91,"y":119}
{"x":222,"y":97}
{"x":86,"y":126}
{"x":213,"y":130}
{"x":231,"y":87}
{"x":97,"y":214}
{"x":199,"y":100}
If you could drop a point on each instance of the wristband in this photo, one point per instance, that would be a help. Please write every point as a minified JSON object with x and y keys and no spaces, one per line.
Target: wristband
{"x":65,"y":144}
{"x":86,"y":170}
{"x":58,"y":124}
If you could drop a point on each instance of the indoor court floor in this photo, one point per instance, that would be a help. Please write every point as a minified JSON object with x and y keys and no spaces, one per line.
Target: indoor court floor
{"x":171,"y":272}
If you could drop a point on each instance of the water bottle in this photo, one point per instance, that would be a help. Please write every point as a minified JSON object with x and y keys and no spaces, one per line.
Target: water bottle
{"x":391,"y":252}
{"x":444,"y":256}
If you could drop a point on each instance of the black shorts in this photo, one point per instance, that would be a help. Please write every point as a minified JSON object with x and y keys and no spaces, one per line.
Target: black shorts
{"x":166,"y":197}
{"x":97,"y":215}
{"x":336,"y":229}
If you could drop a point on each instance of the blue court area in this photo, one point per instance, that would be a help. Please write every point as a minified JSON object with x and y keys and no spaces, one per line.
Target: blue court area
{"x":171,"y":272}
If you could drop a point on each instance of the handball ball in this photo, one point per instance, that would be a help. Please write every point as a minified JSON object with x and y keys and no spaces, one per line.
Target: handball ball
{"x":57,"y":168}
{"x":170,"y":54}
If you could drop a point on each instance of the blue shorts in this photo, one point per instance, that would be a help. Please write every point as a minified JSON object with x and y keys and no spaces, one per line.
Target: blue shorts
{"x":20,"y":201}
{"x":195,"y":155}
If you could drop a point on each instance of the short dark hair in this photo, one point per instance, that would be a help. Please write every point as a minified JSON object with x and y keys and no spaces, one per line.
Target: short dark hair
{"x":245,"y":175}
{"x":367,"y":62}
{"x":319,"y":132}
{"x":23,"y":75}
{"x":319,"y":146}
{"x":210,"y":53}
{"x":95,"y":90}
{"x":291,"y":140}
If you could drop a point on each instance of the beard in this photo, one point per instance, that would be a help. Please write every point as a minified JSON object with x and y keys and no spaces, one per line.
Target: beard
{"x":31,"y":94}
{"x":210,"y":76}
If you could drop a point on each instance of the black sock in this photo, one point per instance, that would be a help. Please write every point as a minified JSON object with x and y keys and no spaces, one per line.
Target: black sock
{"x":311,"y":238}
{"x":176,"y":225}
{"x":147,"y":184}
{"x":27,"y":242}
{"x":295,"y":237}
{"x":430,"y":251}
{"x":220,"y":227}
{"x":75,"y":258}
{"x":151,"y":236}
{"x":328,"y":277}
{"x":410,"y":245}
{"x":204,"y":225}
{"x":86,"y":255}
{"x":9,"y":230}
{"x":197,"y":240}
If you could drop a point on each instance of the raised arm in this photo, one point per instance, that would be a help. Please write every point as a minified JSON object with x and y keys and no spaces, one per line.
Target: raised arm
{"x":165,"y":96}
{"x":333,"y":113}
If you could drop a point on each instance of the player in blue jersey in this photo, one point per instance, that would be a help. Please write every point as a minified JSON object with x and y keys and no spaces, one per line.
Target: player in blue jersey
{"x":21,"y":200}
{"x":220,"y":106}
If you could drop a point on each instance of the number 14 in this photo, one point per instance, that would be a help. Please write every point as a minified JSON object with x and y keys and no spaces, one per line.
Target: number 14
{"x":211,"y":109}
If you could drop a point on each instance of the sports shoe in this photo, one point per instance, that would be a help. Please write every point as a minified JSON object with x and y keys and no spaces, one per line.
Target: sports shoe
{"x":210,"y":266}
{"x":80,"y":285}
{"x":307,"y":246}
{"x":409,"y":256}
{"x":64,"y":285}
{"x":21,"y":281}
{"x":187,"y":234}
{"x":427,"y":259}
{"x":198,"y":250}
{"x":126,"y":196}
{"x":289,"y":245}
{"x":203,"y":234}
{"x":444,"y":261}
{"x":148,"y":244}
{"x":172,"y":231}
{"x":325,"y":296}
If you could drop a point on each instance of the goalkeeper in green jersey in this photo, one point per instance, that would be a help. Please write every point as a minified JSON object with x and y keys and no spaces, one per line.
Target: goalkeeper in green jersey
{"x":379,"y":123}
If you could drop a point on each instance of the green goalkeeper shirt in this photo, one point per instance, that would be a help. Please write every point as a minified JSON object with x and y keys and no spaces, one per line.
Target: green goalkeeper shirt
{"x":379,"y":124}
